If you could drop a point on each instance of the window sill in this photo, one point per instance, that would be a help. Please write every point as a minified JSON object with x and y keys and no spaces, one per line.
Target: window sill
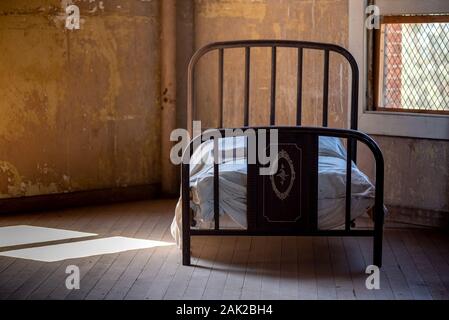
{"x":402,"y":124}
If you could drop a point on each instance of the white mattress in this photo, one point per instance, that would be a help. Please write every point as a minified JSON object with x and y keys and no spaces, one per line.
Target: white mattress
{"x":233,"y":174}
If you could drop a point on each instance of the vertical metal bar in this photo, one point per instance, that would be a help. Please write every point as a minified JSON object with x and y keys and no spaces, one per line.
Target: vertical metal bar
{"x":354,"y":106}
{"x":185,"y":178}
{"x":247,"y":83}
{"x":326,"y":89}
{"x":378,"y":235}
{"x":220,"y":85}
{"x":299,"y":89}
{"x":378,"y":210}
{"x":216,"y":185}
{"x":190,"y":98}
{"x":348,"y":187}
{"x":273,"y":86}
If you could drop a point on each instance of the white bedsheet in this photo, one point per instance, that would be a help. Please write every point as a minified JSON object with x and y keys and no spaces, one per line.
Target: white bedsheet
{"x":233,"y":174}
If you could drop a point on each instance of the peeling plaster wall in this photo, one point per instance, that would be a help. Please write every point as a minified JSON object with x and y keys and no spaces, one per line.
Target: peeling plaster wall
{"x":416,"y":178}
{"x":417,"y":172}
{"x":79,"y":109}
{"x":312,"y":20}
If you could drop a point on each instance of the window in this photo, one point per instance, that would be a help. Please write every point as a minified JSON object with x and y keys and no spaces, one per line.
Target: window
{"x":412,"y":64}
{"x":416,"y":124}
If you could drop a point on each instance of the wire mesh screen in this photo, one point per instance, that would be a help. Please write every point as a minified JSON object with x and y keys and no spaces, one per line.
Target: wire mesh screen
{"x":416,"y":66}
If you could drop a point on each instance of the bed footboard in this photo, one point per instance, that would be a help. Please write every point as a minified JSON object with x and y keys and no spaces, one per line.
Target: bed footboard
{"x":286,"y":203}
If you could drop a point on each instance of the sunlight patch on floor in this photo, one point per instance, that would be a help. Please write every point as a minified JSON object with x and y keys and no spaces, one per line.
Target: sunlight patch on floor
{"x":83,"y":249}
{"x":23,"y":234}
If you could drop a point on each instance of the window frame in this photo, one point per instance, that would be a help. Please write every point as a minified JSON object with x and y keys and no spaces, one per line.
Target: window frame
{"x":395,"y":124}
{"x":378,"y":58}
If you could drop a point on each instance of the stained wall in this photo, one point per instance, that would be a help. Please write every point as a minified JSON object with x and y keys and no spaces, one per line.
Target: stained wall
{"x":324,"y":21}
{"x":79,"y":110}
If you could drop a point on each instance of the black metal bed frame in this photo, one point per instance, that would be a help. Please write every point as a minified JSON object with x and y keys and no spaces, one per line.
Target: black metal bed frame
{"x":268,"y":215}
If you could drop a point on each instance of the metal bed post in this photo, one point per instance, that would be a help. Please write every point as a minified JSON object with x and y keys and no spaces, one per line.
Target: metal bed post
{"x":378,"y":210}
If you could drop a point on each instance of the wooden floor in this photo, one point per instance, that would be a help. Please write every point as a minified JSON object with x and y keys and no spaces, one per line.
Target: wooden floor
{"x":416,"y":263}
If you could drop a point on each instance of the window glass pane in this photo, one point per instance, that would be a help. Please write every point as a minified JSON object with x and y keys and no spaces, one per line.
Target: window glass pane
{"x":416,"y":66}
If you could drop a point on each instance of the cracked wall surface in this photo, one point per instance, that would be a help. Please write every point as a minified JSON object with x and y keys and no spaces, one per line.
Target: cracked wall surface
{"x":79,"y":109}
{"x":309,"y":20}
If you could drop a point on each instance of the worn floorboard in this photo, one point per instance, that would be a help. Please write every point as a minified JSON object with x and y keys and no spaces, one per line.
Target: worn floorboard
{"x":416,"y":262}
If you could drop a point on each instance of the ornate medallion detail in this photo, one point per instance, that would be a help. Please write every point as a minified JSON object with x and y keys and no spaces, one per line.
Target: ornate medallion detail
{"x":282,"y":181}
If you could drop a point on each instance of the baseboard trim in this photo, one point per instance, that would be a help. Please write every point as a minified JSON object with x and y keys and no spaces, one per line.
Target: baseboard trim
{"x":428,"y":218}
{"x":419,"y":217}
{"x":79,"y":199}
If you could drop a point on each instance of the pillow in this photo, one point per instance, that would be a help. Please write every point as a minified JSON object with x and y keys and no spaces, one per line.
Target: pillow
{"x":331,"y":147}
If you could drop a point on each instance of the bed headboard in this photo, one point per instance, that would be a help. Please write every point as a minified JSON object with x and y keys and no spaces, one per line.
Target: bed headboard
{"x":273,"y":44}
